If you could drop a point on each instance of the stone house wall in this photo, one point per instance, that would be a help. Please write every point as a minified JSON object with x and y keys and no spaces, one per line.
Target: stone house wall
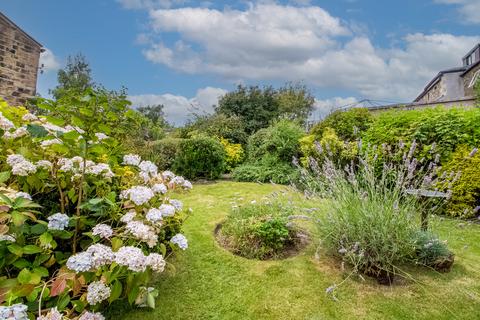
{"x":435,"y":93}
{"x":19,"y":59}
{"x":467,"y":78}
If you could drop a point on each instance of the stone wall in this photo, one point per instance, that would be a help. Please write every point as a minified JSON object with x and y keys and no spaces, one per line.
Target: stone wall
{"x":435,"y":93}
{"x":467,"y":78}
{"x":19,"y":58}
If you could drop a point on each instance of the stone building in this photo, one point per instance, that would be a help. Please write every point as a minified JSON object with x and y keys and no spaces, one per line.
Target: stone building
{"x":455,"y":84}
{"x":19,"y":62}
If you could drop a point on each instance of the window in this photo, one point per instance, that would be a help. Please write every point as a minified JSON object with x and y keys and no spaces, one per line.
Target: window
{"x":469,"y":60}
{"x":475,"y":77}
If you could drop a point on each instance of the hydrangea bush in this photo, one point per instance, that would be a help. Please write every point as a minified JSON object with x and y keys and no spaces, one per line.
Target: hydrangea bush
{"x":81,"y":225}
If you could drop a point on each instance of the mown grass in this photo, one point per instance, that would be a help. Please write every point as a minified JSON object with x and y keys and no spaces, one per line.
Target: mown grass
{"x":210,"y":283}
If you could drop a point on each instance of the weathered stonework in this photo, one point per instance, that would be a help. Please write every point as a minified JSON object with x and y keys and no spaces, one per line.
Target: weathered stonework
{"x":19,"y":59}
{"x":434,"y":93}
{"x":467,"y":79}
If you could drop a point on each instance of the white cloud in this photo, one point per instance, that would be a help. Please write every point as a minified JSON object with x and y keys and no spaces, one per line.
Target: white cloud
{"x":48,"y":61}
{"x":323,"y":107}
{"x":469,"y":9}
{"x":149,"y":4}
{"x":179,"y":108}
{"x":268,"y":41}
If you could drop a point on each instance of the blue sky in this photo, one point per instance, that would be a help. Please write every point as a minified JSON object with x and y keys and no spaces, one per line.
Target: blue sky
{"x":185,"y":54}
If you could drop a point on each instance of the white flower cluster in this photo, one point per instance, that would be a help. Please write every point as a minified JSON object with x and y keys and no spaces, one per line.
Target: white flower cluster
{"x":101,"y":136}
{"x":20,"y":166}
{"x":14,"y":312}
{"x":29,"y":117}
{"x":53,"y":314}
{"x":5,"y":124}
{"x":102,"y":230}
{"x":7,"y":237}
{"x":159,"y":188}
{"x":91,"y":316}
{"x":94,"y":257}
{"x":154,"y":215}
{"x":142,"y":232}
{"x":75,"y":166}
{"x":127,"y":217}
{"x":178,"y":205}
{"x":148,"y":170}
{"x":138,"y":194}
{"x":176,"y":181}
{"x":180,"y":240}
{"x":18,"y":133}
{"x":136,"y":261}
{"x":97,"y":291}
{"x":132,"y":160}
{"x":167,"y":210}
{"x":23,"y":195}
{"x":50,"y":142}
{"x":44,"y":164}
{"x":58,"y":221}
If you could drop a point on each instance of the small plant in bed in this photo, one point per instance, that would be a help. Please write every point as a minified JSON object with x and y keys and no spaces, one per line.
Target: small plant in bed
{"x":261,"y":230}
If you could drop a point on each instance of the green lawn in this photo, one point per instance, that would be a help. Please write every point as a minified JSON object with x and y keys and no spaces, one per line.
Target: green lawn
{"x":211,"y":283}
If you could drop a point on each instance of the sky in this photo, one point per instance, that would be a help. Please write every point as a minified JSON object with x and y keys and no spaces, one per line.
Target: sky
{"x":185,"y":54}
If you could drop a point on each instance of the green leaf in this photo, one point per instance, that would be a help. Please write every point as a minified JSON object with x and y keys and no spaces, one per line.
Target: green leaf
{"x":150,"y":300}
{"x":4,"y":176}
{"x":15,"y":249}
{"x":21,"y":263}
{"x":133,"y":294}
{"x":71,"y":135}
{"x":116,"y":291}
{"x":63,"y":302}
{"x":163,"y":249}
{"x":37,"y":131}
{"x":38,"y":229}
{"x":41,"y":271}
{"x":24,"y":276}
{"x":116,"y":243}
{"x":32,"y":249}
{"x":18,"y":219}
{"x":45,"y":239}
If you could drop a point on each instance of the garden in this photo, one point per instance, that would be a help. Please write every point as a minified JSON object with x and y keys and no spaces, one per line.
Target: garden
{"x":107,"y":212}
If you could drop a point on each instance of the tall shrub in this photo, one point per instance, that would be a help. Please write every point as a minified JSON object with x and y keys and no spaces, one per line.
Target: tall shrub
{"x":200,"y":157}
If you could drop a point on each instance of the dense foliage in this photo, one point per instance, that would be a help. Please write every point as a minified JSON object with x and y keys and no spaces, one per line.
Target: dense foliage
{"x":347,"y":124}
{"x":200,"y":157}
{"x":258,"y":107}
{"x":76,"y":76}
{"x":270,"y":152}
{"x":259,"y":230}
{"x":81,"y":225}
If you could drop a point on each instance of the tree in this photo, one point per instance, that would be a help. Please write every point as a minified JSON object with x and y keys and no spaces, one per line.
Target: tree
{"x":75,"y":77}
{"x":295,"y":101}
{"x":154,"y":113}
{"x":347,"y":124}
{"x":256,"y":107}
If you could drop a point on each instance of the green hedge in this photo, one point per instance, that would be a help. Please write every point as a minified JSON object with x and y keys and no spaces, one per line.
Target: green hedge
{"x":200,"y":157}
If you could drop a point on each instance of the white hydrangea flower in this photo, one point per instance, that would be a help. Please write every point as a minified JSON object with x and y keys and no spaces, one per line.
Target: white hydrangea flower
{"x":65,"y":164}
{"x":91,"y":316}
{"x":100,"y":255}
{"x":101,"y":136}
{"x":167,"y":175}
{"x":187,"y":185}
{"x":58,"y":221}
{"x":44,"y":164}
{"x":138,"y":194}
{"x":167,"y":210}
{"x":177,"y":204}
{"x":132,"y":159}
{"x":20,"y":166}
{"x":50,"y":142}
{"x":7,"y":237}
{"x":23,"y":195}
{"x":97,"y":291}
{"x":5,"y":124}
{"x":178,"y":180}
{"x":127,"y":217}
{"x":142,"y":232}
{"x":131,"y":257}
{"x":156,"y":262}
{"x":52,"y":128}
{"x":29,"y":117}
{"x":159,"y":188}
{"x":102,"y":230}
{"x":100,"y":169}
{"x":80,"y":262}
{"x":53,"y":314}
{"x":14,"y":312}
{"x":154,"y":215}
{"x":180,"y":240}
{"x":20,"y":132}
{"x":148,"y":166}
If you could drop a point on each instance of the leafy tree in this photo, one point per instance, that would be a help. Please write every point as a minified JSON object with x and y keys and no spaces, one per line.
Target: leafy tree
{"x":217,"y":125}
{"x":76,"y":76}
{"x":295,"y":101}
{"x":257,"y":107}
{"x":155,"y":113}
